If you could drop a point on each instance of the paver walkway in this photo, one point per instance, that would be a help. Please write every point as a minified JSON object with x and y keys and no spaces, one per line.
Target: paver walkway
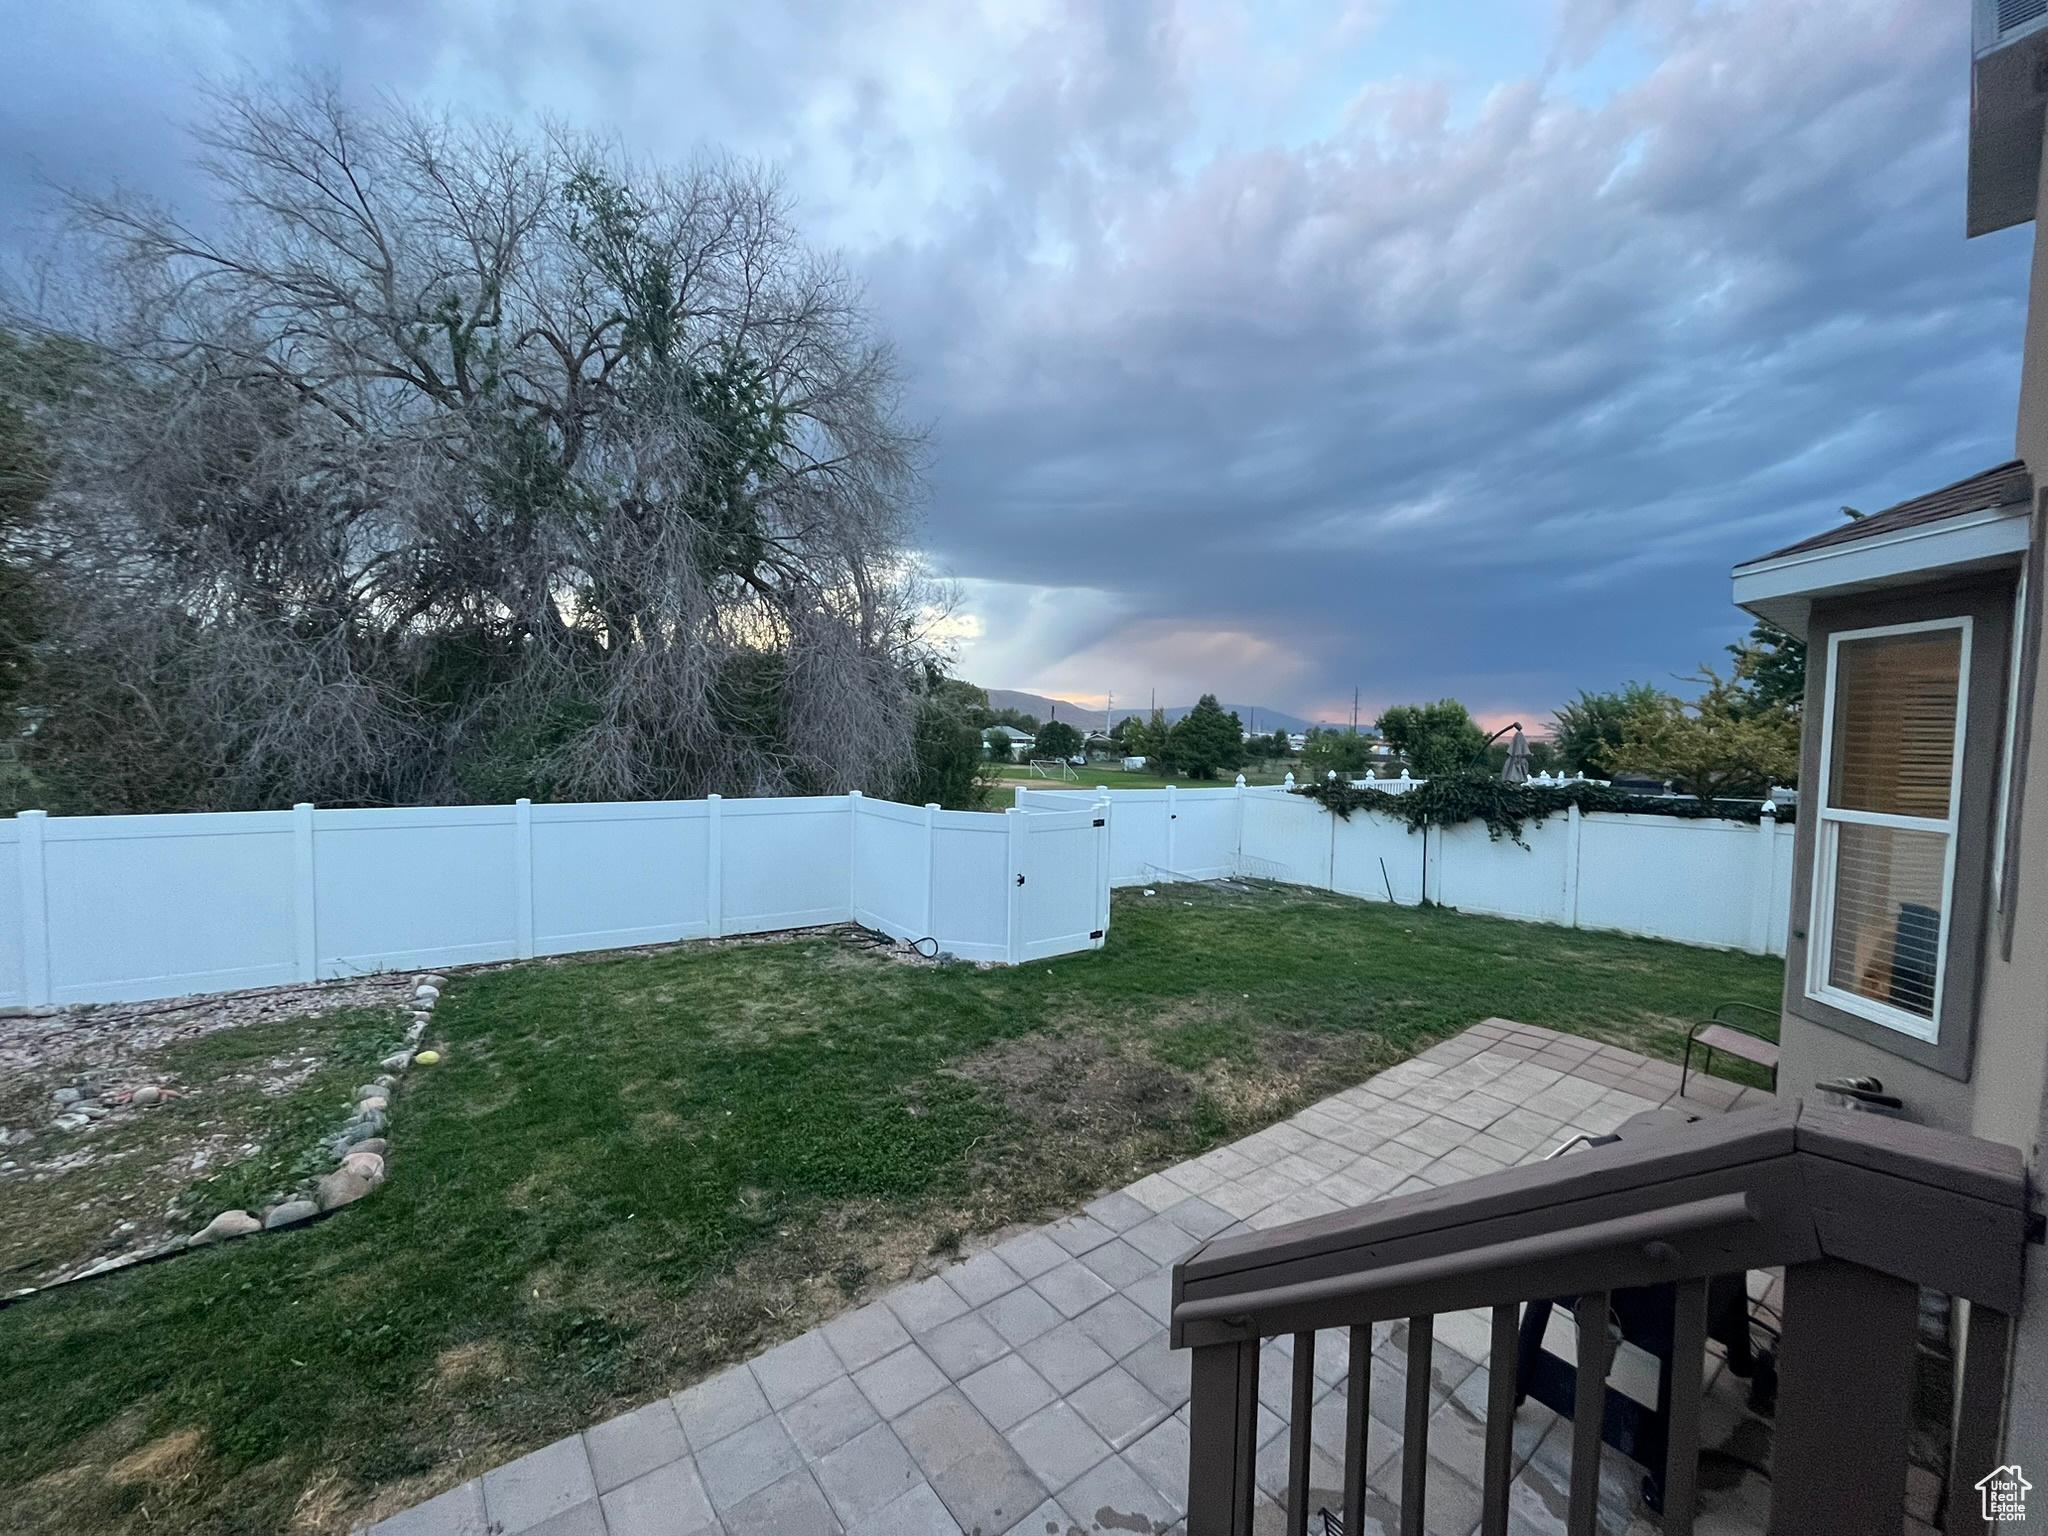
{"x":1030,"y":1389}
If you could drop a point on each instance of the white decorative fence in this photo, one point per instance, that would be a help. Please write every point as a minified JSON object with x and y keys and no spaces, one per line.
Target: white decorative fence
{"x":1709,"y":881}
{"x":121,"y":908}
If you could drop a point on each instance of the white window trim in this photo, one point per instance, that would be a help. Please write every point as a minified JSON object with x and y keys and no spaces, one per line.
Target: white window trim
{"x":1820,"y":949}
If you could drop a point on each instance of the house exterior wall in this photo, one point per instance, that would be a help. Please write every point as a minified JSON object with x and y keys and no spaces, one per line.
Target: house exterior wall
{"x":2011,"y":1102}
{"x":1821,"y":1042}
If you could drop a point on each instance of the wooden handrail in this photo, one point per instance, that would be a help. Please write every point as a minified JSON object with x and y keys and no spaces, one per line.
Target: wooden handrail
{"x":1861,"y":1210}
{"x":1662,"y":1227}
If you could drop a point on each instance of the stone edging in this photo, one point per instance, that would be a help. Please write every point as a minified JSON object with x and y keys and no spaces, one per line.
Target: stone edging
{"x":359,"y":1147}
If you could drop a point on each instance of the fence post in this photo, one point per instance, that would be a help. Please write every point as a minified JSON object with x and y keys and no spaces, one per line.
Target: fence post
{"x":1237,"y":853}
{"x":931,"y":870}
{"x":1574,"y":841}
{"x":1103,"y":832}
{"x":1017,"y":798}
{"x":853,"y":907}
{"x":1764,"y":881}
{"x":522,"y":876}
{"x":35,"y":910}
{"x":1014,"y":934}
{"x":1172,"y":815}
{"x":305,"y":893}
{"x":714,"y":869}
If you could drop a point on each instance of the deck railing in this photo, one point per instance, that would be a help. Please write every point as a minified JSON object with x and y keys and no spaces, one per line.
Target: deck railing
{"x":1861,"y":1211}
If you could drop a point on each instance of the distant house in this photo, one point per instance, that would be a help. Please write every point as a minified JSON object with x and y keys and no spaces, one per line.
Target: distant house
{"x":1004,"y":741}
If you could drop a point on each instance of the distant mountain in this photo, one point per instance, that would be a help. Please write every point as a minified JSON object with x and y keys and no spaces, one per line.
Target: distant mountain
{"x":1038,"y":705}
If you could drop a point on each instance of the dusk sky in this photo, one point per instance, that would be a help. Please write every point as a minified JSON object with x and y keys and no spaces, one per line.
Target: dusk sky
{"x":1275,"y":349}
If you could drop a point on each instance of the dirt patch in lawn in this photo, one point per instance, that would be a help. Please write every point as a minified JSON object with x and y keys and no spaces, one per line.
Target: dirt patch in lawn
{"x":124,"y":1127}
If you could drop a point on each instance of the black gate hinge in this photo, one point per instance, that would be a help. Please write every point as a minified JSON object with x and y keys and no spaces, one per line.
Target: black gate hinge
{"x":1095,"y":933}
{"x":1100,"y":822}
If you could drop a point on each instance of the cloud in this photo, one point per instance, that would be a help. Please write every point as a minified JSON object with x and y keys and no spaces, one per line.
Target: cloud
{"x":1285,"y":349}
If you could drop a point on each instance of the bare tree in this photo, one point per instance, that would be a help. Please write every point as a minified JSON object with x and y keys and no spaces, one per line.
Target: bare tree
{"x":451,"y":463}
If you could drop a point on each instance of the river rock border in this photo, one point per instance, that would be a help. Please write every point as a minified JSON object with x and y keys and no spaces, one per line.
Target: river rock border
{"x":359,"y":1148}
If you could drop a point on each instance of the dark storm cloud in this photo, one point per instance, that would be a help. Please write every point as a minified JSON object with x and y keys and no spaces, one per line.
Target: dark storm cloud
{"x":1469,"y":388}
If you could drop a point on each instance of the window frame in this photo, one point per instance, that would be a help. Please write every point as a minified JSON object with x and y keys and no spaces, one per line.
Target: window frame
{"x":1829,"y":820}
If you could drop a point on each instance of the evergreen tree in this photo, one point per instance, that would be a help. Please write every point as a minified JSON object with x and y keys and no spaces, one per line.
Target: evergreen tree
{"x":1206,"y":741}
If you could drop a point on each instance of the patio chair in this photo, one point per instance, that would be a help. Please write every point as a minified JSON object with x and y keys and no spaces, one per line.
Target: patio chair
{"x":1716,"y":1034}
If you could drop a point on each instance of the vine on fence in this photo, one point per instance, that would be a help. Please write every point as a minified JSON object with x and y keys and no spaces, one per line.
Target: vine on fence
{"x":1506,"y":808}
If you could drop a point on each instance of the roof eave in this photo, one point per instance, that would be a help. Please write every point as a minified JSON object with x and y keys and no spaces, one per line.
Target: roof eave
{"x":1781,"y":589}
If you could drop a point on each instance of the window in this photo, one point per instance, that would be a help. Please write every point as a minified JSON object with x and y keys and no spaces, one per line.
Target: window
{"x":1891,"y":771}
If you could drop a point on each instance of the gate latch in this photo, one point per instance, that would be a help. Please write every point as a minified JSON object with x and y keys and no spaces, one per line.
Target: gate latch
{"x":1020,"y":879}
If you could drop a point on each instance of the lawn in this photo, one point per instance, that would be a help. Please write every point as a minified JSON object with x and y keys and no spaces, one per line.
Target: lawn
{"x":630,"y":1170}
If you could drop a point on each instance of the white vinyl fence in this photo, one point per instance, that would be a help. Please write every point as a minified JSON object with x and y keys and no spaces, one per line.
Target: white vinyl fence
{"x":1709,"y":881}
{"x":122,"y":908}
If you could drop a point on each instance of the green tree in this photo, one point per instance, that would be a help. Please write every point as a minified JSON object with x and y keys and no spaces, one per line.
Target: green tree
{"x":948,"y":768}
{"x":1057,"y":739}
{"x":1346,"y":753}
{"x":1589,"y":730}
{"x":1436,"y":740}
{"x":1770,"y":668}
{"x":1715,"y":747}
{"x":1281,"y":745}
{"x":1206,"y":741}
{"x":1144,"y":738}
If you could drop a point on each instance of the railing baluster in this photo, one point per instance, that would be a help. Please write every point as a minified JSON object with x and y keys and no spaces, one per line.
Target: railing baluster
{"x":1357,"y":1426}
{"x":1500,"y":1422}
{"x":1978,"y":1411}
{"x":1682,"y":1398}
{"x":1223,"y":1422}
{"x":1415,"y":1425}
{"x":1845,"y":1399}
{"x":1589,"y":1413}
{"x":1298,"y":1429}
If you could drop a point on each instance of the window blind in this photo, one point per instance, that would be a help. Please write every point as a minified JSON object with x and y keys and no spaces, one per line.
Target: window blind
{"x":1888,"y":822}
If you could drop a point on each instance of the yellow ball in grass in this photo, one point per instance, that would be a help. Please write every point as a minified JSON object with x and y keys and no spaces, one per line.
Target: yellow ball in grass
{"x":427,"y":1058}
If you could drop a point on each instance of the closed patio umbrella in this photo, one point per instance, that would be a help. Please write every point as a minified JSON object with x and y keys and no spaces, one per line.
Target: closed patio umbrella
{"x":1516,"y":769}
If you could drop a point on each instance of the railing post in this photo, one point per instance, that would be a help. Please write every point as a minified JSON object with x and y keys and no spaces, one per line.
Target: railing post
{"x":522,"y":876}
{"x":714,"y":868}
{"x":305,"y":894}
{"x":1223,"y":1421}
{"x":35,"y":910}
{"x":1415,"y":1425}
{"x":1980,"y":1402}
{"x":1499,"y":1467}
{"x":1845,"y":1400}
{"x":1357,"y":1425}
{"x":1682,"y":1407}
{"x":1300,"y":1429}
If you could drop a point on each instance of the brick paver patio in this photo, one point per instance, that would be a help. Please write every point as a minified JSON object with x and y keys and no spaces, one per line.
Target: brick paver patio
{"x":1030,"y":1389}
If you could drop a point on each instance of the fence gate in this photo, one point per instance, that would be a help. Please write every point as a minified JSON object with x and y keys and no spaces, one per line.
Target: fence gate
{"x":1060,"y":882}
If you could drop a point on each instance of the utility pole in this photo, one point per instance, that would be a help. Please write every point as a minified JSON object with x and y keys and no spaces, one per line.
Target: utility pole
{"x":1354,"y":710}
